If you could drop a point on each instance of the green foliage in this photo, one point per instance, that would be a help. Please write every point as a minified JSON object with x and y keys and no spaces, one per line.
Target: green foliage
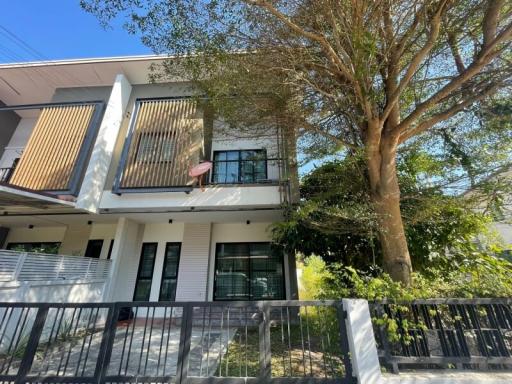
{"x":336,"y":221}
{"x":482,"y":275}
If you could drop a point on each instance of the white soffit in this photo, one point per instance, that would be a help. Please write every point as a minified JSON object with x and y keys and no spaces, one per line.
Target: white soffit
{"x":35,"y":83}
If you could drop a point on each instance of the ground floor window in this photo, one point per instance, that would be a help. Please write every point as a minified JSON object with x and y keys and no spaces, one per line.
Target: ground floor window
{"x":46,"y":247}
{"x":248,"y":271}
{"x":170,"y":272}
{"x":145,"y":272}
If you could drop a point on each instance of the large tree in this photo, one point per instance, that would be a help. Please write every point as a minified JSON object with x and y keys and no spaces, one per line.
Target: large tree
{"x":362,"y":76}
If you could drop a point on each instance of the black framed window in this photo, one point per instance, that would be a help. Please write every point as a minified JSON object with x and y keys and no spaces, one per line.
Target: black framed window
{"x":145,"y":272}
{"x":248,"y":271}
{"x":94,"y":248}
{"x":44,"y":247}
{"x":240,"y":166}
{"x":170,"y":272}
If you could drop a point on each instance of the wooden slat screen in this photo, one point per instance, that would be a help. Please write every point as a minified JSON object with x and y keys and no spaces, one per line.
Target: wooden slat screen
{"x":166,"y":141}
{"x":49,"y":158}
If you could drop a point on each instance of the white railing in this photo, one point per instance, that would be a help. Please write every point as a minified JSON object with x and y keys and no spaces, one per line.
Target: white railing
{"x":24,"y":266}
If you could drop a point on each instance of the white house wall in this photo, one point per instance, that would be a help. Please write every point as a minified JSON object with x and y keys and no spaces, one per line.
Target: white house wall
{"x":197,"y":258}
{"x":75,"y":236}
{"x":225,"y":139}
{"x":193,"y":268}
{"x":218,"y":197}
{"x":108,"y":132}
{"x":161,"y":233}
{"x":125,"y":260}
{"x":36,"y":235}
{"x":18,"y":142}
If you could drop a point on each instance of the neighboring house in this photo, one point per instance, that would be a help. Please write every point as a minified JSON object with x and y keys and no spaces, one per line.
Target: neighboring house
{"x":95,"y":166}
{"x":502,"y":224}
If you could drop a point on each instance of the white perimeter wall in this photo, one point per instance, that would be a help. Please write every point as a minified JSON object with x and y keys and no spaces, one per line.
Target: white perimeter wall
{"x":56,"y":291}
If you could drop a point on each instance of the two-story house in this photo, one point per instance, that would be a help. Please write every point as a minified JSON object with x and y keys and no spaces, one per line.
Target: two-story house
{"x":95,"y":166}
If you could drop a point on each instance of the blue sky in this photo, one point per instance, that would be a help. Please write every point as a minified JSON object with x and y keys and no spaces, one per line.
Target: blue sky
{"x":59,"y":29}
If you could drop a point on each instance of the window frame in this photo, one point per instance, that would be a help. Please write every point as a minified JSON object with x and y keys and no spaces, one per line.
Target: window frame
{"x":163,"y":269}
{"x":140,"y":267}
{"x":250,"y":271}
{"x":152,"y":136}
{"x":240,"y":161}
{"x":90,"y":242}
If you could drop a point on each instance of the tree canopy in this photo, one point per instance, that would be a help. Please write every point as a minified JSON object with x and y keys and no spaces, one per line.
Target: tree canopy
{"x":347,"y":75}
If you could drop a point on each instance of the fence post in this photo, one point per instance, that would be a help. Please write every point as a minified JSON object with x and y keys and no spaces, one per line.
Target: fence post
{"x":107,"y":343}
{"x":33,"y":341}
{"x":362,"y":344}
{"x":264,"y":343}
{"x":182,"y":364}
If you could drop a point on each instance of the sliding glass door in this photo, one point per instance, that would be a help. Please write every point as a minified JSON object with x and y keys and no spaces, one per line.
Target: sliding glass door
{"x":248,"y":271}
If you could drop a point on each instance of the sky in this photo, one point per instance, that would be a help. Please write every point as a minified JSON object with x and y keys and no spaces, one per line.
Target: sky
{"x":59,"y":29}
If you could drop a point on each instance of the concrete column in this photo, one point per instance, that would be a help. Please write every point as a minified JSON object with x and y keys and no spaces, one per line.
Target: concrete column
{"x":193,"y":269}
{"x":362,"y":344}
{"x":125,"y":260}
{"x":99,"y":163}
{"x":75,"y":240}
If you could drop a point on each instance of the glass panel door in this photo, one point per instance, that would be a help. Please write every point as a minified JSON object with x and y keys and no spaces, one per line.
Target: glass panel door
{"x":170,"y":272}
{"x":232,"y":274}
{"x":145,"y":273}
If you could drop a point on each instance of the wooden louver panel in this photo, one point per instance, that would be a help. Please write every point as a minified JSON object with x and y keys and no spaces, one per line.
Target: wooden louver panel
{"x":49,"y":158}
{"x":166,"y":141}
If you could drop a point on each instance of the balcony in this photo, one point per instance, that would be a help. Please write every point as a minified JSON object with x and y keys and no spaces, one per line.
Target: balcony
{"x":168,"y":136}
{"x":58,"y":147}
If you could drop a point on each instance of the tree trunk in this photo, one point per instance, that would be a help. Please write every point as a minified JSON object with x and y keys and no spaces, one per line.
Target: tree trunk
{"x":385,"y":195}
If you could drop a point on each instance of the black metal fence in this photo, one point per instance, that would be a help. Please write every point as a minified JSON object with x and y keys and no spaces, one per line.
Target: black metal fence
{"x":444,"y":333}
{"x":172,"y":342}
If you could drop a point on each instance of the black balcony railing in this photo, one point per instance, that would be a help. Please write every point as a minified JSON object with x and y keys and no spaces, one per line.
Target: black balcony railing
{"x":444,"y":333}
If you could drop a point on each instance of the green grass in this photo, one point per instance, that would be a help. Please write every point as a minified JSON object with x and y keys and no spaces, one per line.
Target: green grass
{"x":293,"y":353}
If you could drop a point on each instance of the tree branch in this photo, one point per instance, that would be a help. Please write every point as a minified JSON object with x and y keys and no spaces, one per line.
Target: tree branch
{"x":484,"y":57}
{"x":418,"y":58}
{"x":490,"y":23}
{"x":450,"y":112}
{"x":322,"y":41}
